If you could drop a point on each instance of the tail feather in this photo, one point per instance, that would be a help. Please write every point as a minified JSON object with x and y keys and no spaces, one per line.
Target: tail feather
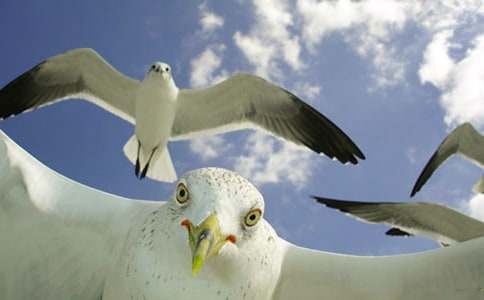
{"x":160,"y":167}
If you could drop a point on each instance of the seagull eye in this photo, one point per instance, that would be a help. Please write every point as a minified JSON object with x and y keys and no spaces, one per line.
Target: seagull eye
{"x":182,"y":194}
{"x":252,"y":217}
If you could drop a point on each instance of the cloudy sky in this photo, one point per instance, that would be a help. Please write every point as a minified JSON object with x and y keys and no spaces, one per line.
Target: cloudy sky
{"x":396,"y":76}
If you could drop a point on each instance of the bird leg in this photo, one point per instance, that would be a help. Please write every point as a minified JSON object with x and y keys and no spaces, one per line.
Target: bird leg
{"x":145,"y":169}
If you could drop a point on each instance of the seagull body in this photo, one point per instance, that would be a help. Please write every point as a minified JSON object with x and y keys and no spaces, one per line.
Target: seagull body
{"x":62,"y":240}
{"x":435,"y":221}
{"x":155,"y":109}
{"x":464,"y":140}
{"x":162,"y":112}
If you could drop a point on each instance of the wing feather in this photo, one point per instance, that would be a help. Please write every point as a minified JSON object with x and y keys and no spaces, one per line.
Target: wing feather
{"x":246,"y":99}
{"x":464,"y":140}
{"x":58,"y":238}
{"x":431,"y":220}
{"x":447,"y":273}
{"x":79,"y":73}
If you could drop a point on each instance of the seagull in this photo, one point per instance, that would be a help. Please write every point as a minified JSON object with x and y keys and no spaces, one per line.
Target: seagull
{"x":435,"y":221}
{"x":162,"y":112}
{"x":464,"y":140}
{"x":63,"y":240}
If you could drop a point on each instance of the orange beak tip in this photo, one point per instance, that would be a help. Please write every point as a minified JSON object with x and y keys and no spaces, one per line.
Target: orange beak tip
{"x":231,"y":238}
{"x":185,"y":223}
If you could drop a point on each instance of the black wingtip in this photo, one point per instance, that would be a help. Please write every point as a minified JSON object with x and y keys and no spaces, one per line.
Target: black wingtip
{"x":143,"y":173}
{"x":137,"y":168}
{"x":340,"y":205}
{"x":335,"y":142}
{"x":397,"y":232}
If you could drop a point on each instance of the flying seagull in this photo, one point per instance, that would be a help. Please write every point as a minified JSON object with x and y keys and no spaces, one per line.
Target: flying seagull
{"x":463,"y":140}
{"x":162,"y":112}
{"x":435,"y":221}
{"x":62,"y":240}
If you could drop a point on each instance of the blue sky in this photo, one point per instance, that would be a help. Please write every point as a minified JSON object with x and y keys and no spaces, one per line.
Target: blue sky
{"x":395,"y":76}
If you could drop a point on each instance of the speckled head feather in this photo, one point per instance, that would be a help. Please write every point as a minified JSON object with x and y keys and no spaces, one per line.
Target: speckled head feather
{"x":245,"y":263}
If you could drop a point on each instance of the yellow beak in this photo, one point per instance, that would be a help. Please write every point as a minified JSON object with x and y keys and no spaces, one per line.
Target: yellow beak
{"x":205,"y":240}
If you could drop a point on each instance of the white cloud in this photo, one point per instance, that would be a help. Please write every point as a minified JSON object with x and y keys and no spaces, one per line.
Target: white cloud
{"x":378,"y":17}
{"x":209,"y":147}
{"x":437,"y":64}
{"x":258,"y":54}
{"x":436,"y":16}
{"x":307,"y":91}
{"x":476,"y":207}
{"x":461,"y":82}
{"x":367,"y":26}
{"x":209,"y":20}
{"x":269,"y":41}
{"x":464,"y":98}
{"x":205,"y":66}
{"x":271,"y":161}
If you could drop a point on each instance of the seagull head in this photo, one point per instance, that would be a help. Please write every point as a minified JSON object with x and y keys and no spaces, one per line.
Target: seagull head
{"x":220,"y":215}
{"x":160,"y":69}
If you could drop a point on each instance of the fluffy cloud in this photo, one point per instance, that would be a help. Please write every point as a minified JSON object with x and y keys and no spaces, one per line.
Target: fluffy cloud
{"x":270,"y":161}
{"x":307,"y":91}
{"x":209,"y":147}
{"x":463,"y":100}
{"x":437,"y":64}
{"x":270,"y":40}
{"x":378,"y":17}
{"x":367,"y":26}
{"x":476,"y":207}
{"x":209,"y":21}
{"x":204,"y":67}
{"x":461,"y":81}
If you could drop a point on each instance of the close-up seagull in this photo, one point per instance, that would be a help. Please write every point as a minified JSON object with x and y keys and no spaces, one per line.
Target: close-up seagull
{"x":435,"y":221}
{"x":162,"y":112}
{"x":63,"y":240}
{"x":464,"y":140}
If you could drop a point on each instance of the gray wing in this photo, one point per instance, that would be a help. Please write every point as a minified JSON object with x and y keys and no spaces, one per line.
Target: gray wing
{"x":464,"y":140}
{"x":78,"y":73}
{"x":435,"y":221}
{"x":58,"y":239}
{"x":245,"y":101}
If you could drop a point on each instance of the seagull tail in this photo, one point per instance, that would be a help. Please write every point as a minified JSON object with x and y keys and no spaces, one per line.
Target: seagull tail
{"x":160,"y":167}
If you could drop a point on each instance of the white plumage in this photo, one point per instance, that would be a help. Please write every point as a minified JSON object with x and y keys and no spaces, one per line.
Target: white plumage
{"x":62,"y":240}
{"x":162,"y":112}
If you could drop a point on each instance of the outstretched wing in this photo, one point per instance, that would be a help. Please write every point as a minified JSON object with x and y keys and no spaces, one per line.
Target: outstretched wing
{"x":79,"y":73}
{"x":464,"y":140}
{"x":246,"y":101}
{"x":58,"y":238}
{"x":431,"y":220}
{"x":447,"y":273}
